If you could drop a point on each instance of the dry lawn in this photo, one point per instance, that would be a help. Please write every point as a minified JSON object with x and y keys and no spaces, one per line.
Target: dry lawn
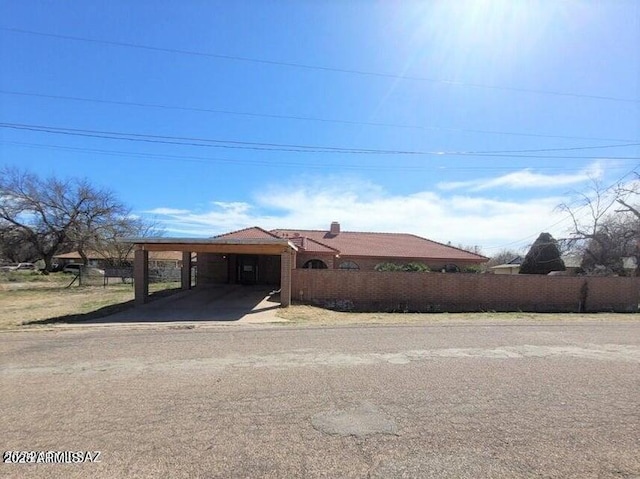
{"x":28,"y":299}
{"x":311,"y":315}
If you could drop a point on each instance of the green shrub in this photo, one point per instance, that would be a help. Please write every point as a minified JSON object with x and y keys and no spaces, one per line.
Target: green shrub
{"x":410,"y":267}
{"x":388,"y":267}
{"x":472,"y":269}
{"x":419,"y":267}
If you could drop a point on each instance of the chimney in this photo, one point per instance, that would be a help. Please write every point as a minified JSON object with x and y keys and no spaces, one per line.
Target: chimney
{"x":334,"y":229}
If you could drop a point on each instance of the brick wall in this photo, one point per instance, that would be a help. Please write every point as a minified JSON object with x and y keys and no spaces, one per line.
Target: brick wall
{"x":212,"y":268}
{"x":439,"y":292}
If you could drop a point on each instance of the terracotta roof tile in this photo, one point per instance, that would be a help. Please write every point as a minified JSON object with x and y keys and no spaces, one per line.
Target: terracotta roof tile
{"x":314,"y":246}
{"x":254,"y":232}
{"x":389,"y":245}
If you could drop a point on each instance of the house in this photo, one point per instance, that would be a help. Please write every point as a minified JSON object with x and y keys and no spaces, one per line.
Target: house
{"x":511,"y":267}
{"x":257,"y":256}
{"x":330,"y":249}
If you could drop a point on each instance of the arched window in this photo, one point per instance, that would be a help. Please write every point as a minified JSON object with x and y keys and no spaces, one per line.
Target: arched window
{"x":348,"y":265}
{"x":315,"y":264}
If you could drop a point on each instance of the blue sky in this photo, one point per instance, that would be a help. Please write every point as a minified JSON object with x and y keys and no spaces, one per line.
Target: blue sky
{"x":451,"y":100}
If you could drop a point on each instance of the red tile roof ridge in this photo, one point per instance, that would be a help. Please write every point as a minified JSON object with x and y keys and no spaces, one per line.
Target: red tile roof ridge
{"x":246,"y":229}
{"x":352,"y":234}
{"x":447,"y":245}
{"x":322,"y":244}
{"x":293,"y":230}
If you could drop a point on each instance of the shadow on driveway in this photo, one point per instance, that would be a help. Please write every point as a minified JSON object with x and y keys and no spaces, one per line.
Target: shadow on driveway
{"x":226,"y":303}
{"x":204,"y":303}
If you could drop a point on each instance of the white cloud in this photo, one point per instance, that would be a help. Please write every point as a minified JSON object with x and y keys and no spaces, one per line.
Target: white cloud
{"x":235,"y":207}
{"x":525,"y":179}
{"x":166,"y":211}
{"x":358,"y":206}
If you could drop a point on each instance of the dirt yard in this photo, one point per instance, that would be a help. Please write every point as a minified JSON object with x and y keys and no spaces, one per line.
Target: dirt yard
{"x":26,"y":298}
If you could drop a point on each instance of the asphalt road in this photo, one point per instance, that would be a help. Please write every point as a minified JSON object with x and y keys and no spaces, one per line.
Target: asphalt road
{"x":469,"y":401}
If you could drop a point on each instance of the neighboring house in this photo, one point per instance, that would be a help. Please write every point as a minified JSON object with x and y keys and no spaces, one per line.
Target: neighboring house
{"x":572,"y":265}
{"x":512,"y":267}
{"x":157,"y":259}
{"x":330,"y":249}
{"x":630,"y":263}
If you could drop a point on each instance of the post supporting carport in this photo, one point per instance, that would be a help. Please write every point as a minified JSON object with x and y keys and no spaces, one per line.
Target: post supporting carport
{"x":285,"y":279}
{"x":141,"y":276}
{"x":186,"y":270}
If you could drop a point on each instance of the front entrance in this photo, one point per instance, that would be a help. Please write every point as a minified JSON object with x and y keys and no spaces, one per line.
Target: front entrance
{"x":247,"y":269}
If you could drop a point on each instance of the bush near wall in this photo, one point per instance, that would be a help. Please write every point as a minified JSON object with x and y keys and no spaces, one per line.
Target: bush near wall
{"x":441,"y":292}
{"x":409,"y":267}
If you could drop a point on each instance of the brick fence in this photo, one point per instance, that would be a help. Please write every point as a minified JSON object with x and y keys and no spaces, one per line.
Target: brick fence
{"x":458,"y":292}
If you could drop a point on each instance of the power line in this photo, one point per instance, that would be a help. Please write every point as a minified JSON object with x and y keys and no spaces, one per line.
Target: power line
{"x":541,"y":150}
{"x":323,"y":165}
{"x":303,"y":118}
{"x":210,"y":160}
{"x":203,"y":142}
{"x":234,"y":144}
{"x":319,"y":67}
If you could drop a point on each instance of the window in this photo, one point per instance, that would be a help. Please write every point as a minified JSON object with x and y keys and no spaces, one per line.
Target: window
{"x":315,"y":264}
{"x":348,"y":265}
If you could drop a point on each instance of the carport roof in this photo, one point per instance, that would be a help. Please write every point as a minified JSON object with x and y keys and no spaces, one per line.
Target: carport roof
{"x":216,"y":245}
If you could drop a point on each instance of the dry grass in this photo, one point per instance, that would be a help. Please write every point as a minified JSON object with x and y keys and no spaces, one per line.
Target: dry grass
{"x":37,"y":300}
{"x":318,"y":316}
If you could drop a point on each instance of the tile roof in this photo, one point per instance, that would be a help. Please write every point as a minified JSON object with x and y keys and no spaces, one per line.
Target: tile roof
{"x":311,"y":245}
{"x":363,"y":244}
{"x":254,"y":232}
{"x":389,"y":245}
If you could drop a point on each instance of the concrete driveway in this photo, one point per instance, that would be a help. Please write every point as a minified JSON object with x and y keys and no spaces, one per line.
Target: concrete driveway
{"x":249,"y":304}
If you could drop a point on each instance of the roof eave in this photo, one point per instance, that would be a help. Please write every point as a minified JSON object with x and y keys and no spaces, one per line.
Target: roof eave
{"x":210,"y":241}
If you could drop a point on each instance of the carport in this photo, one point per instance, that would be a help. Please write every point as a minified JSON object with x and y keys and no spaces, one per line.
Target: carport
{"x":225,"y":248}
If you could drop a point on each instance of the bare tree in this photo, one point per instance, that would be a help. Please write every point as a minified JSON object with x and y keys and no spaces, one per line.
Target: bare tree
{"x":14,"y":248}
{"x":502,"y":257}
{"x":112,"y":246}
{"x":475,"y":249}
{"x":100,"y":213}
{"x":53,"y":214}
{"x":605,"y":227}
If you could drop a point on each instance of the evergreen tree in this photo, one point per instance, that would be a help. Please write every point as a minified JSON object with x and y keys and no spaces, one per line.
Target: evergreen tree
{"x":543,"y":257}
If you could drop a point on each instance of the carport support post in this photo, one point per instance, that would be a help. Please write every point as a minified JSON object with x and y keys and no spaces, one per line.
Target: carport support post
{"x":141,"y":276}
{"x":186,"y":270}
{"x":285,"y":279}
